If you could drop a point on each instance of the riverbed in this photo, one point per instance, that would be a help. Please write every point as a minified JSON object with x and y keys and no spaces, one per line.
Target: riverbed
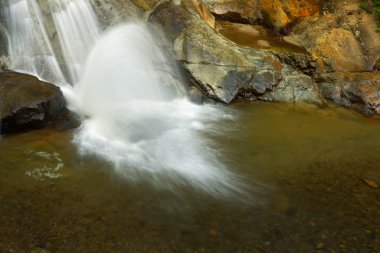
{"x":311,"y":180}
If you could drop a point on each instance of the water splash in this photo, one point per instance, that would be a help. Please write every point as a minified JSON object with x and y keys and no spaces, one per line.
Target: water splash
{"x":139,"y":119}
{"x":136,"y":115}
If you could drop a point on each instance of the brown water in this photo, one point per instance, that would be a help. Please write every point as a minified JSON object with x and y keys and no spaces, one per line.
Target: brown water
{"x":255,"y":36}
{"x":306,"y":168}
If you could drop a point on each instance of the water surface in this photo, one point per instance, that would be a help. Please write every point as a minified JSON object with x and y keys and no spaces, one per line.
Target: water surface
{"x":306,"y":169}
{"x":256,"y":36}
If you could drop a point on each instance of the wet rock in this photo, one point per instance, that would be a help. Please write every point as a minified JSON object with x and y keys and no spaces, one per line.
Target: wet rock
{"x":340,"y":42}
{"x":220,"y":68}
{"x":370,"y":183}
{"x":376,"y":65}
{"x":360,"y":91}
{"x":295,"y":87}
{"x":337,"y":42}
{"x":66,"y":120}
{"x":111,"y":12}
{"x":276,"y":14}
{"x":196,"y":96}
{"x":235,"y":11}
{"x":26,"y":102}
{"x":263,"y":43}
{"x":204,"y":12}
{"x":303,"y":62}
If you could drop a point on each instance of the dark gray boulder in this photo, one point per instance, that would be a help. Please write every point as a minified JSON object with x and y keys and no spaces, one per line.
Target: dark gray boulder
{"x":360,"y":91}
{"x":27,"y":103}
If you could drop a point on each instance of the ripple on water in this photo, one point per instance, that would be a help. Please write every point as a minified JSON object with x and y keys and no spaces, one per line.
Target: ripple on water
{"x":49,"y":165}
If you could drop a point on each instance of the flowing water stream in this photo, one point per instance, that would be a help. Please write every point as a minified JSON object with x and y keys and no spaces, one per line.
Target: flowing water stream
{"x":29,"y":45}
{"x":128,"y":91}
{"x":148,"y":171}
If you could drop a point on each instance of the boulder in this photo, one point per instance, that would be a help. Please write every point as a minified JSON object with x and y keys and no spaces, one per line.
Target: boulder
{"x":277,"y":14}
{"x":242,"y":11}
{"x":360,"y":91}
{"x":296,"y":88}
{"x":220,"y":68}
{"x":27,"y":103}
{"x":343,"y":39}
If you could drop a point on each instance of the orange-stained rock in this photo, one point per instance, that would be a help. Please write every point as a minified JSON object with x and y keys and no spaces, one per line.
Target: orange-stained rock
{"x":204,"y":12}
{"x":281,"y":13}
{"x":277,"y":14}
{"x":343,"y":40}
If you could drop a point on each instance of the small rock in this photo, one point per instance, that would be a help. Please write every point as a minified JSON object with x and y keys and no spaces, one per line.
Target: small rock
{"x":263,"y":43}
{"x":371,"y":183}
{"x":213,"y":232}
{"x":320,"y":246}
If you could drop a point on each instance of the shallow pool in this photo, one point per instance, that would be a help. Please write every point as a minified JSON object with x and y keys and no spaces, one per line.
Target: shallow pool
{"x":310,"y":176}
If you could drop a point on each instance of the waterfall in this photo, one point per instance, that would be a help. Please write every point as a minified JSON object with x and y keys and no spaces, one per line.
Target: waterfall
{"x":135,"y":112}
{"x":139,"y":119}
{"x":30,"y":50}
{"x":77,"y":29}
{"x":33,"y":40}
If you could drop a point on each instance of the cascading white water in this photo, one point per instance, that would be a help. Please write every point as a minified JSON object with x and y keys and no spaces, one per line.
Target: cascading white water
{"x":136,"y":115}
{"x":139,"y":120}
{"x":77,"y":30}
{"x":30,"y":50}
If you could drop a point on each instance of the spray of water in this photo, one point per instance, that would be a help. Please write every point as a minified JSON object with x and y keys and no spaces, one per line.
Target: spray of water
{"x":135,"y":111}
{"x":139,"y":120}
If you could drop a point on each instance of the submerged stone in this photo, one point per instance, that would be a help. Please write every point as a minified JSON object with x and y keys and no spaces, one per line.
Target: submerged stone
{"x":27,"y":102}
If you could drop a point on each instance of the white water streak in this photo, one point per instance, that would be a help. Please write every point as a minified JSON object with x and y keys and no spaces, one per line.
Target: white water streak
{"x":136,"y":114}
{"x":139,"y":121}
{"x":30,"y":50}
{"x":77,"y":29}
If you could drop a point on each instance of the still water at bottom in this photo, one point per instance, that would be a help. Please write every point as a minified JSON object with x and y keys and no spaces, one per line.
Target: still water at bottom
{"x":311,"y":173}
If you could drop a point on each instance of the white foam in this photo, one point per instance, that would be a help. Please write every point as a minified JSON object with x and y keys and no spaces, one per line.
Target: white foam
{"x":140,"y":122}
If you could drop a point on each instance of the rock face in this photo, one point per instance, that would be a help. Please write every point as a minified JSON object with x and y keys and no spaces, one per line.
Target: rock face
{"x":277,"y":14}
{"x":339,"y":34}
{"x":112,"y":12}
{"x":345,"y":40}
{"x":339,"y":38}
{"x":358,"y":90}
{"x":224,"y":71}
{"x":26,"y":102}
{"x":220,"y":68}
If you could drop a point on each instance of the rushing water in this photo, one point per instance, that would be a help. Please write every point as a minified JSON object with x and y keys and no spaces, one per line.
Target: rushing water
{"x":140,"y":120}
{"x":29,"y":45}
{"x":129,"y":93}
{"x":33,"y":45}
{"x":78,"y":30}
{"x":287,"y":179}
